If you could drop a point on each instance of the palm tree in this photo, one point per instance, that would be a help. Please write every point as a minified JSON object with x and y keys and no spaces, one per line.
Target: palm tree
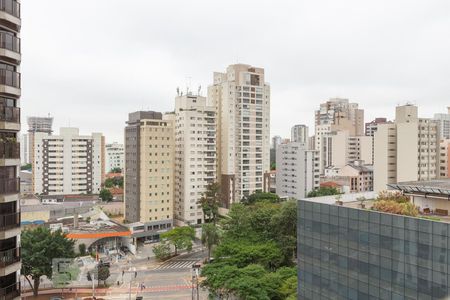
{"x":210,"y":237}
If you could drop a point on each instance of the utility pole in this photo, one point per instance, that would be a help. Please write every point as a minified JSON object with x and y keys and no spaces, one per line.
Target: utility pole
{"x":195,"y":274}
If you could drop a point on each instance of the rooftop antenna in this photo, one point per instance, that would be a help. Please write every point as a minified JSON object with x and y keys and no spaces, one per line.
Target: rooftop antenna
{"x":199,"y":89}
{"x":178,"y":91}
{"x":188,"y":84}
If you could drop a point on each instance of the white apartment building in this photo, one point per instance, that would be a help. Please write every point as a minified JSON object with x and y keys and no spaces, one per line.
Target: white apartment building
{"x":195,"y":156}
{"x":24,"y":149}
{"x":297,"y":170}
{"x":300,"y":134}
{"x":407,"y":150}
{"x":444,"y":123}
{"x":242,"y":101}
{"x":114,"y":156}
{"x":68,"y":163}
{"x":339,"y":148}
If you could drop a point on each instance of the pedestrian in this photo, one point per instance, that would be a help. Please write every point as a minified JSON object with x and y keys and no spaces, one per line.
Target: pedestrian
{"x":148,"y":257}
{"x":118,"y":283}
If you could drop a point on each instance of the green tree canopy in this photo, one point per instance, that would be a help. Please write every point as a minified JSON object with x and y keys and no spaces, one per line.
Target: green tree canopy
{"x":161,"y":251}
{"x":106,"y":195}
{"x":116,"y":170}
{"x":39,"y":247}
{"x":210,"y":202}
{"x":210,"y":237}
{"x":116,"y":181}
{"x":103,"y":273}
{"x":323,"y":191}
{"x":180,"y":237}
{"x":261,"y":197}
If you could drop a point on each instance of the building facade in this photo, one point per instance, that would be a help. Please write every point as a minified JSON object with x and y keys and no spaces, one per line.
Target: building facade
{"x":444,"y":123}
{"x":10,"y":91}
{"x":149,"y":171}
{"x":339,"y":148}
{"x":195,"y":156}
{"x":242,"y":101}
{"x":406,"y":150}
{"x":297,"y":170}
{"x":300,"y":134}
{"x":114,"y":156}
{"x":372,"y":126}
{"x":444,"y":159}
{"x":345,"y":252}
{"x":68,"y":163}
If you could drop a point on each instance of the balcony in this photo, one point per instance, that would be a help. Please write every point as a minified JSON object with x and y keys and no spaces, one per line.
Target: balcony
{"x":9,"y":257}
{"x":9,"y":48}
{"x":10,"y":114}
{"x":9,"y":150}
{"x":9,"y":292}
{"x":9,"y":185}
{"x":9,"y":221}
{"x":10,"y":82}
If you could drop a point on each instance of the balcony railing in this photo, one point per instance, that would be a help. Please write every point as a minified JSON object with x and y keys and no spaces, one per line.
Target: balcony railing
{"x":8,"y":221}
{"x":9,"y":150}
{"x":9,"y":42}
{"x":9,"y":185}
{"x":10,"y":292}
{"x":10,"y":78}
{"x":9,"y":257}
{"x":10,"y":114}
{"x":12,"y":7}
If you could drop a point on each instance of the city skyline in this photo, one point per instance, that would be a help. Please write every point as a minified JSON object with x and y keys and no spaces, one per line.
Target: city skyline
{"x":391,"y":57}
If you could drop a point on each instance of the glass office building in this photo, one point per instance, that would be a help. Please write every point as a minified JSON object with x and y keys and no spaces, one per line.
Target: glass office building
{"x":358,"y":254}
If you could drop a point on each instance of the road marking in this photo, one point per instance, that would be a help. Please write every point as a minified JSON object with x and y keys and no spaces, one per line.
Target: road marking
{"x":176,"y":264}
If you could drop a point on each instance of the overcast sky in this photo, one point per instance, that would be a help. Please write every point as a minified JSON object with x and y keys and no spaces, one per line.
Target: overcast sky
{"x":90,"y":62}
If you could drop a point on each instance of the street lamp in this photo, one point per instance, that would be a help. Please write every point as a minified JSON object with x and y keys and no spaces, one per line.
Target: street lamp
{"x":195,"y":275}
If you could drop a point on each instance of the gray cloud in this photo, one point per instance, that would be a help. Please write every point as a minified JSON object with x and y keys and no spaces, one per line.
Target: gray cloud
{"x":90,"y":62}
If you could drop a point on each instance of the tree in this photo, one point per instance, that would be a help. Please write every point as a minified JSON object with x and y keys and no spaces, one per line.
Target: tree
{"x":323,"y":191}
{"x":180,"y":237}
{"x":106,"y":195}
{"x":116,"y":181}
{"x":103,"y":273}
{"x":26,"y":167}
{"x":261,"y":197}
{"x":39,"y":247}
{"x":161,"y":251}
{"x":82,"y":249}
{"x":210,"y":237}
{"x":116,"y":170}
{"x":210,"y":202}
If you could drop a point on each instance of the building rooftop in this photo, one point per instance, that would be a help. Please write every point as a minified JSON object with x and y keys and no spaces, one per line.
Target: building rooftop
{"x":436,"y":187}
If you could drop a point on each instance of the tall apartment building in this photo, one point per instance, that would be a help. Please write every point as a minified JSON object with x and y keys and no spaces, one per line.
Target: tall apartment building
{"x":242,"y":101}
{"x":444,"y":123}
{"x":68,"y":163}
{"x":10,"y":91}
{"x":149,"y":166}
{"x":195,"y":155}
{"x":372,"y":126}
{"x":300,"y":134}
{"x":297,"y":170}
{"x":337,"y":114}
{"x":406,"y":150}
{"x":114,"y":155}
{"x":444,"y":159}
{"x":339,"y":148}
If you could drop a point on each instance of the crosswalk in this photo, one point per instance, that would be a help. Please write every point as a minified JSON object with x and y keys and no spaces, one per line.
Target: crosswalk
{"x":177,"y":264}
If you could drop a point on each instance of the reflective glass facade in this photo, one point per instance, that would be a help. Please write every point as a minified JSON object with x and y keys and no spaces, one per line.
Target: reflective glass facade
{"x":348,"y":253}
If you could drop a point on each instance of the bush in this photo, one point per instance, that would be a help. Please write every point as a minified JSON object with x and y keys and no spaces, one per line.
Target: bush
{"x":394,"y":207}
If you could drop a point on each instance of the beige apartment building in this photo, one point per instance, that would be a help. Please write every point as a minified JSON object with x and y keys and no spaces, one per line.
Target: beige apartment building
{"x":339,"y":148}
{"x":242,"y":101}
{"x":444,"y":161}
{"x":67,"y":163}
{"x":334,"y":115}
{"x":149,"y":172}
{"x":407,"y":150}
{"x":195,"y":156}
{"x":10,"y":92}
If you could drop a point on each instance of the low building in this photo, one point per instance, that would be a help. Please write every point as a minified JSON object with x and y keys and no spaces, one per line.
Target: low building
{"x":358,"y":176}
{"x":349,"y":252}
